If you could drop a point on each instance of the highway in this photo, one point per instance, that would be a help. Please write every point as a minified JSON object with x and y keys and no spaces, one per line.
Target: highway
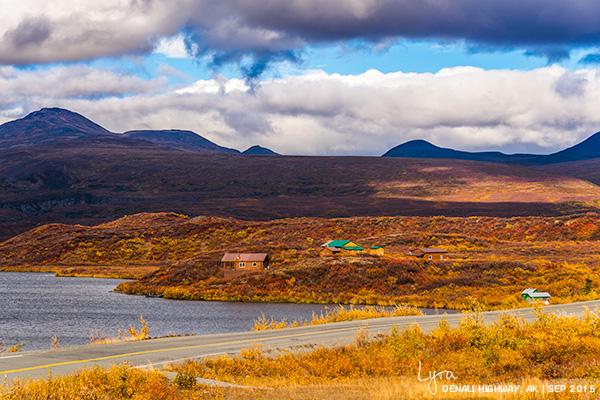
{"x":158,"y":352}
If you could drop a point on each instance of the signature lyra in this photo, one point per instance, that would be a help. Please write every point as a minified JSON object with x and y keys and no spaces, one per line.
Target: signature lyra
{"x":433,"y":377}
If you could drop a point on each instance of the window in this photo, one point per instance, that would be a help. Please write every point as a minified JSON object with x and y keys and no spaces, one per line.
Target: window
{"x":254,"y":264}
{"x":242,"y":264}
{"x":430,"y":257}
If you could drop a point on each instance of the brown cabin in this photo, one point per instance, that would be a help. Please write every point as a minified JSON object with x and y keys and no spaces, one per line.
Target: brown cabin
{"x":245,"y":261}
{"x":429,"y":253}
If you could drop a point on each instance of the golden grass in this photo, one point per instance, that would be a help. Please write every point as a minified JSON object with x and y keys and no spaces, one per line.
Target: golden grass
{"x":551,"y":350}
{"x":131,"y":334}
{"x":337,"y":314}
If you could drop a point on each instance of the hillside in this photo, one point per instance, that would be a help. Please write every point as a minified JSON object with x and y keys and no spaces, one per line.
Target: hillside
{"x":499,"y":254}
{"x":89,"y":185}
{"x":58,"y":166}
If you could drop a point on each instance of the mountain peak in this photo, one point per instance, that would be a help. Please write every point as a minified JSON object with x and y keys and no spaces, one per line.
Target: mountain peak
{"x":257,"y":150}
{"x":49,"y":124}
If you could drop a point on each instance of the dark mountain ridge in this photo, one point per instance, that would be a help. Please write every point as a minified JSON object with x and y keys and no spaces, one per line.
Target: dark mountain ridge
{"x":179,"y":139}
{"x":586,"y":150}
{"x":57,"y":126}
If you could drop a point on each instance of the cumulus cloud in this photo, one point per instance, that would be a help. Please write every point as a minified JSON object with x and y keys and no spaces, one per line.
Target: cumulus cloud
{"x":39,"y":31}
{"x":222,"y":31}
{"x":23,"y":90}
{"x":318,"y":113}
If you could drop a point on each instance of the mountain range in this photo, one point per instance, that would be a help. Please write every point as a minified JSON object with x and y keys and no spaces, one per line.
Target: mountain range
{"x":58,"y":166}
{"x":588,"y":149}
{"x":52,"y":126}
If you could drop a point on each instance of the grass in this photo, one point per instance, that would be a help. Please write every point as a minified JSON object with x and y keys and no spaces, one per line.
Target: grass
{"x":337,"y":314}
{"x":552,"y":349}
{"x":130,"y":335}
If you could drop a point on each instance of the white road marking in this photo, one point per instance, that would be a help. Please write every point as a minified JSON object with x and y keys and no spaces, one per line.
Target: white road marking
{"x":15,"y":356}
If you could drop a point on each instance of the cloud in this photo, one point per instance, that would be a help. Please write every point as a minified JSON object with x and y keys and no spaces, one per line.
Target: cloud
{"x":319,"y":113}
{"x":38,"y":31}
{"x":226,"y":31}
{"x":172,"y":47}
{"x":23,"y":90}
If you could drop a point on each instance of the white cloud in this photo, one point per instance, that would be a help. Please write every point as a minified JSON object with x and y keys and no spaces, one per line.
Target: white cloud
{"x":39,"y":31}
{"x":172,"y":47}
{"x":319,"y":113}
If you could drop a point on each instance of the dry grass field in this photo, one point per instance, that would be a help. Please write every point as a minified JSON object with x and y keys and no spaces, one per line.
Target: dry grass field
{"x":491,"y":260}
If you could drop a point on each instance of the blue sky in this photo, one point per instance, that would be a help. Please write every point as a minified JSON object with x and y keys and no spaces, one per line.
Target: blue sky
{"x":350,"y":58}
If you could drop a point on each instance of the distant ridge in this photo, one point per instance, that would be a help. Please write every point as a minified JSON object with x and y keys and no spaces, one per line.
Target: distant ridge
{"x":67,"y":129}
{"x":588,"y":149}
{"x":259,"y":151}
{"x":179,"y":139}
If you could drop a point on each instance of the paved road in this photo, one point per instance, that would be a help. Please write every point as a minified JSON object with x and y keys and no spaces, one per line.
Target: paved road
{"x":158,"y":352}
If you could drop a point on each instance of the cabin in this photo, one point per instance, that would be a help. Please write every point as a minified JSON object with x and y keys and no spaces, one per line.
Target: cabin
{"x":344,"y":247}
{"x":245,"y":261}
{"x":340,"y":247}
{"x":531,"y":294}
{"x":429,"y":253}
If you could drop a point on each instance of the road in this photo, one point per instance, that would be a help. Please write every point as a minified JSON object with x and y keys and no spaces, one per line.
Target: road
{"x":158,"y":352}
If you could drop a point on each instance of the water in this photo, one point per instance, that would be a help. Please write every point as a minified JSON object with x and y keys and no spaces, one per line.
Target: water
{"x":34,"y":307}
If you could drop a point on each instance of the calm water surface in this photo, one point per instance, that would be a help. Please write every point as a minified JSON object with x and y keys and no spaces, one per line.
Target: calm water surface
{"x":34,"y":307}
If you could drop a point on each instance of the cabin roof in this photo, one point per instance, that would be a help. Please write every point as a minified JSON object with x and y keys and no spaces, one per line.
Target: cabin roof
{"x":336,"y":243}
{"x":359,"y":248}
{"x":533,"y":293}
{"x":249,"y":257}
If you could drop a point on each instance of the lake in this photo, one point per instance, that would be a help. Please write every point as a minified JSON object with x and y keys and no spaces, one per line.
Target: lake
{"x":34,"y":307}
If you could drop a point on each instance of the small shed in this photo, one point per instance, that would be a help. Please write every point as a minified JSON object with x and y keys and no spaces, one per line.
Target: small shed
{"x":531,"y":294}
{"x":429,"y":253}
{"x":245,"y":261}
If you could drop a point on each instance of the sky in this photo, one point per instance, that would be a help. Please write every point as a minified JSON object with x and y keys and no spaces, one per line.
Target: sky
{"x":341,"y":77}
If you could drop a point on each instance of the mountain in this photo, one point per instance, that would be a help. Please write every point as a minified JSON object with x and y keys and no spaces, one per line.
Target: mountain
{"x":49,"y":124}
{"x":424,"y":149}
{"x":178,"y":139}
{"x":57,"y":126}
{"x":586,"y":150}
{"x":58,"y":166}
{"x":259,"y":151}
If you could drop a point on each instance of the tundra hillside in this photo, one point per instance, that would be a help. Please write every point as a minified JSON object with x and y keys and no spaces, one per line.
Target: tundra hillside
{"x":490,"y":260}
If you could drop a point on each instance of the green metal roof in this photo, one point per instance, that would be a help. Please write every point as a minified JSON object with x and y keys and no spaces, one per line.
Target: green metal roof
{"x":358,"y":248}
{"x":337,"y":243}
{"x":377,"y":247}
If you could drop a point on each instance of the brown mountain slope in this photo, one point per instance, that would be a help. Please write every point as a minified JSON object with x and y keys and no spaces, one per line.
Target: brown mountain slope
{"x":587,"y":169}
{"x":102,"y":182}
